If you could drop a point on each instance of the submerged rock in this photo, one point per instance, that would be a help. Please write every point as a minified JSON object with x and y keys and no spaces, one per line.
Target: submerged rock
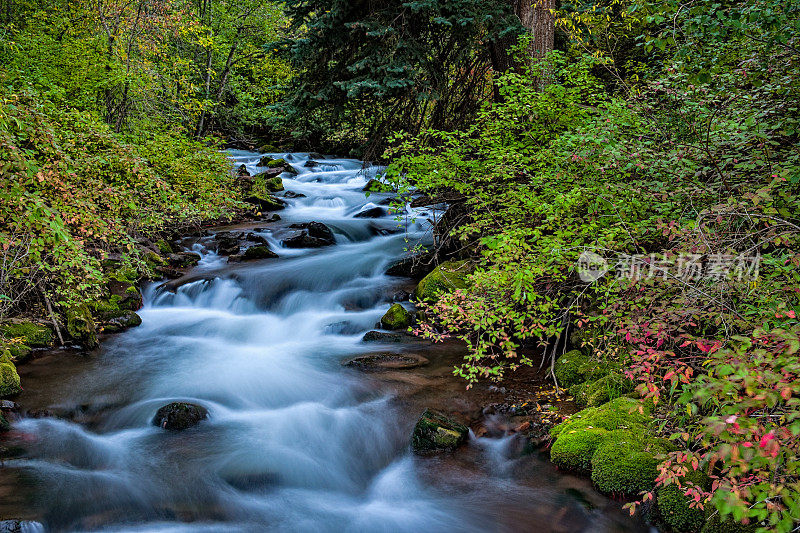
{"x":435,"y":433}
{"x":312,"y":235}
{"x":397,"y":317}
{"x":179,"y":416}
{"x":386,"y":361}
{"x":20,"y":526}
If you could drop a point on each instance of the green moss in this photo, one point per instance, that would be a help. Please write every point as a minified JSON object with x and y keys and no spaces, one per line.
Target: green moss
{"x":275,"y":163}
{"x":274,"y":184}
{"x":674,"y":508}
{"x":31,"y":334}
{"x":607,"y":388}
{"x":578,"y":393}
{"x":592,"y":370}
{"x":9,"y":379}
{"x":397,"y":317}
{"x":268,"y":149}
{"x":153,"y":259}
{"x":436,"y":432}
{"x":81,"y":326}
{"x":573,"y":449}
{"x":567,"y":368}
{"x":715,"y":524}
{"x":622,"y":413}
{"x":444,"y":278}
{"x":4,"y":425}
{"x":164,"y":247}
{"x":19,"y":353}
{"x":625,"y":462}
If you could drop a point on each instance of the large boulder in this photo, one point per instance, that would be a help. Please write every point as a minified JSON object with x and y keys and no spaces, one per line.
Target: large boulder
{"x":311,"y":235}
{"x":568,"y":368}
{"x":397,"y":317}
{"x":446,"y":277}
{"x":179,"y":416}
{"x":268,"y":203}
{"x":435,"y":433}
{"x":626,"y":462}
{"x":9,"y":379}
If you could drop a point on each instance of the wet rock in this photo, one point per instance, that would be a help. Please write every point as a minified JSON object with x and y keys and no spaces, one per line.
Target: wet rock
{"x":386,"y":361}
{"x":184,"y":259}
{"x":381,"y":336}
{"x":316,"y":155}
{"x":435,"y":433}
{"x":125,"y":295}
{"x":270,"y":203}
{"x":397,"y":317}
{"x":292,"y":194}
{"x":401,"y":296}
{"x":373,"y":212}
{"x":20,"y":526}
{"x":311,"y":164}
{"x":8,"y":405}
{"x":242,"y":171}
{"x":228,"y":246}
{"x":374,"y":185}
{"x":416,"y":266}
{"x":272,"y":218}
{"x":128,"y":319}
{"x":312,"y":235}
{"x":179,"y":416}
{"x":273,"y":184}
{"x":258,"y":252}
{"x":170,"y":272}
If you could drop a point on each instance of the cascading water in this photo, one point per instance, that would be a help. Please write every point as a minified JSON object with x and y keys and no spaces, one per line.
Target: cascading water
{"x":294,"y":441}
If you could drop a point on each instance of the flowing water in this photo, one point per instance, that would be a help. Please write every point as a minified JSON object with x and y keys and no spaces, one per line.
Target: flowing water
{"x":294,"y":441}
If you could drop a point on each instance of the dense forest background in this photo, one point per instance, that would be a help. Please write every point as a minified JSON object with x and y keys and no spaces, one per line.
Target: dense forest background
{"x":651,"y":131}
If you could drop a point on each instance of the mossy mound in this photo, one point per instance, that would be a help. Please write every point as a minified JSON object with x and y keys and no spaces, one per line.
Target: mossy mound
{"x":714,"y":523}
{"x":9,"y":379}
{"x":578,"y":393}
{"x":81,"y":326}
{"x":397,"y":317}
{"x":607,"y":388}
{"x":625,"y":462}
{"x":265,"y":203}
{"x":268,"y":149}
{"x":573,"y":449}
{"x":568,"y":368}
{"x":164,"y":247}
{"x":274,"y":184}
{"x":436,"y":432}
{"x":30,"y":333}
{"x":622,"y":413}
{"x":19,"y":353}
{"x":673,"y":506}
{"x":276,"y":163}
{"x":444,"y":278}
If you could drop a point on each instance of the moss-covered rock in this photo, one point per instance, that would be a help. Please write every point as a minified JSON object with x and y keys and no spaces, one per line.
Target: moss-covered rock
{"x":607,"y":388}
{"x":374,"y":185}
{"x":81,"y":325}
{"x":444,"y":278}
{"x":265,"y":203}
{"x":268,"y":149}
{"x":29,"y":333}
{"x":164,"y":247}
{"x":622,"y":413}
{"x":625,"y":462}
{"x":19,"y":353}
{"x":436,"y":432}
{"x":573,"y":449}
{"x":258,"y":252}
{"x":397,"y":317}
{"x":274,"y":184}
{"x":9,"y":379}
{"x":567,"y":368}
{"x":125,"y":320}
{"x":578,"y":393}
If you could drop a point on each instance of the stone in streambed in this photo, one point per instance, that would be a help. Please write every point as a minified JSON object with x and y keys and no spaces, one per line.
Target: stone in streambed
{"x":258,"y":252}
{"x":372,"y":212}
{"x":126,"y":320}
{"x":292,"y":194}
{"x":312,"y":235}
{"x":269,"y":203}
{"x":435,"y":433}
{"x":179,"y":416}
{"x":227,"y":246}
{"x":397,"y":317}
{"x":81,"y":325}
